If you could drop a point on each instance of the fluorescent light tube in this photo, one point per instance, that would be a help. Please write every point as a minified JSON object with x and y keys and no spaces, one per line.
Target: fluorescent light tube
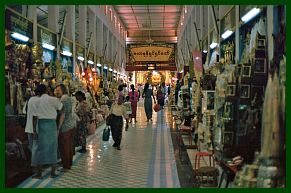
{"x":99,"y":65}
{"x":251,"y":14}
{"x":90,"y":62}
{"x":226,"y":34}
{"x":81,"y":58}
{"x":66,"y":53}
{"x":20,"y":37}
{"x":48,"y":46}
{"x":213,"y":45}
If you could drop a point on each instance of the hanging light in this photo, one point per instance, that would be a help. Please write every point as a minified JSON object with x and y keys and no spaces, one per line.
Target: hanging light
{"x":83,"y":74}
{"x":205,"y":51}
{"x":115,"y":71}
{"x":67,"y":53}
{"x":99,"y":65}
{"x":213,"y":45}
{"x":20,"y":37}
{"x":105,"y":67}
{"x":81,"y":58}
{"x":90,"y":79}
{"x":48,"y":46}
{"x":226,"y":34}
{"x":93,"y":70}
{"x":90,"y":62}
{"x":110,"y":69}
{"x":251,"y":14}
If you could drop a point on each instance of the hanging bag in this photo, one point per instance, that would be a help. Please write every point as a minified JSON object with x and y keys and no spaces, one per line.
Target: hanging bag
{"x":106,"y":134}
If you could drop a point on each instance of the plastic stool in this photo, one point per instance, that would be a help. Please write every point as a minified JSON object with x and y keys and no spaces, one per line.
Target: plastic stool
{"x":207,"y":175}
{"x":188,"y":130}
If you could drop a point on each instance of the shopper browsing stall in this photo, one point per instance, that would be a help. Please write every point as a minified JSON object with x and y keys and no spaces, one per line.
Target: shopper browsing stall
{"x":45,"y":132}
{"x":66,"y":130}
{"x":83,"y":114}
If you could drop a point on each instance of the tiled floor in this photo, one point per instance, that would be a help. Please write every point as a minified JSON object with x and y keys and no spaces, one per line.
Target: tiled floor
{"x":146,"y":160}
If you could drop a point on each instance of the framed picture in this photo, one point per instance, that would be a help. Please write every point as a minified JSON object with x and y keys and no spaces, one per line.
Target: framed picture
{"x":261,"y":43}
{"x":260,"y":65}
{"x":245,"y":91}
{"x":228,"y":138}
{"x":246,"y":71}
{"x":231,"y":90}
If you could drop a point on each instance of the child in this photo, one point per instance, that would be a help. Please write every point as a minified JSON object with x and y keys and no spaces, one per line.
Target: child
{"x":127,"y":104}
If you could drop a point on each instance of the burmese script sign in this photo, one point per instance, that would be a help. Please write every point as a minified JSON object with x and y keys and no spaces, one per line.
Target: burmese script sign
{"x":151,"y":53}
{"x":17,"y":23}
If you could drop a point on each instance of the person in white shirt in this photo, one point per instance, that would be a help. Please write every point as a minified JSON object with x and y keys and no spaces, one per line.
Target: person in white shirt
{"x":45,"y":131}
{"x":30,"y":111}
{"x":118,"y":110}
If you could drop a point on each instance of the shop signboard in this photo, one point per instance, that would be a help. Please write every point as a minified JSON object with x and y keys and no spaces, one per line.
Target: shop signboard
{"x":17,"y":23}
{"x":67,"y":45}
{"x":46,"y":36}
{"x":151,"y":53}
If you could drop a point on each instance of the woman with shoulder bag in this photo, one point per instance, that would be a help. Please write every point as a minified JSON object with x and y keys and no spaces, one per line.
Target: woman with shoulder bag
{"x":115,"y":121}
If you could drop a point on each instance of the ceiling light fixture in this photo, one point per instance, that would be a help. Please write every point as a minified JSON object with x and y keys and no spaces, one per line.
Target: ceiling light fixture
{"x":48,"y":46}
{"x":81,"y":58}
{"x":226,"y":34}
{"x":90,"y":62}
{"x":105,"y":67}
{"x":20,"y":37}
{"x":213,"y":45}
{"x":67,"y":53}
{"x":205,"y":51}
{"x":99,"y":65}
{"x":251,"y":14}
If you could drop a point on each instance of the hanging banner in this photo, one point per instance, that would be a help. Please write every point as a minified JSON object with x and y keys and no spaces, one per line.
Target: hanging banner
{"x":18,"y":23}
{"x":45,"y":36}
{"x":151,"y":53}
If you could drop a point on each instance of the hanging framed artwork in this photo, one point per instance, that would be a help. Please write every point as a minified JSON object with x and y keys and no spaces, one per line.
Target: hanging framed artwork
{"x":260,"y":65}
{"x":245,"y":91}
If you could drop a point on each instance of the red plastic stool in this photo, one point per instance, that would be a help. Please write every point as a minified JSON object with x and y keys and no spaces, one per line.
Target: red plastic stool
{"x":188,"y":130}
{"x":205,"y":175}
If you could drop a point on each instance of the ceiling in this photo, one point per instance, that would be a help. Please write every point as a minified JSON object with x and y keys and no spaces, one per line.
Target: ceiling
{"x":150,"y":22}
{"x":144,"y":23}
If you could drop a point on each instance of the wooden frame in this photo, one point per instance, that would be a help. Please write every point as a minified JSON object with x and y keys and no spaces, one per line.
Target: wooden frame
{"x":260,"y":65}
{"x":245,"y":91}
{"x":231,"y":88}
{"x":246,"y":71}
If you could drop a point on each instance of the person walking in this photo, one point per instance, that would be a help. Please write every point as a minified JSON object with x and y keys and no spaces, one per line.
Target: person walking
{"x":160,"y":96}
{"x":45,"y":132}
{"x":148,"y":103}
{"x":118,"y":110}
{"x":133,"y":96}
{"x":66,"y":130}
{"x":82,"y":127}
{"x":177,"y":89}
